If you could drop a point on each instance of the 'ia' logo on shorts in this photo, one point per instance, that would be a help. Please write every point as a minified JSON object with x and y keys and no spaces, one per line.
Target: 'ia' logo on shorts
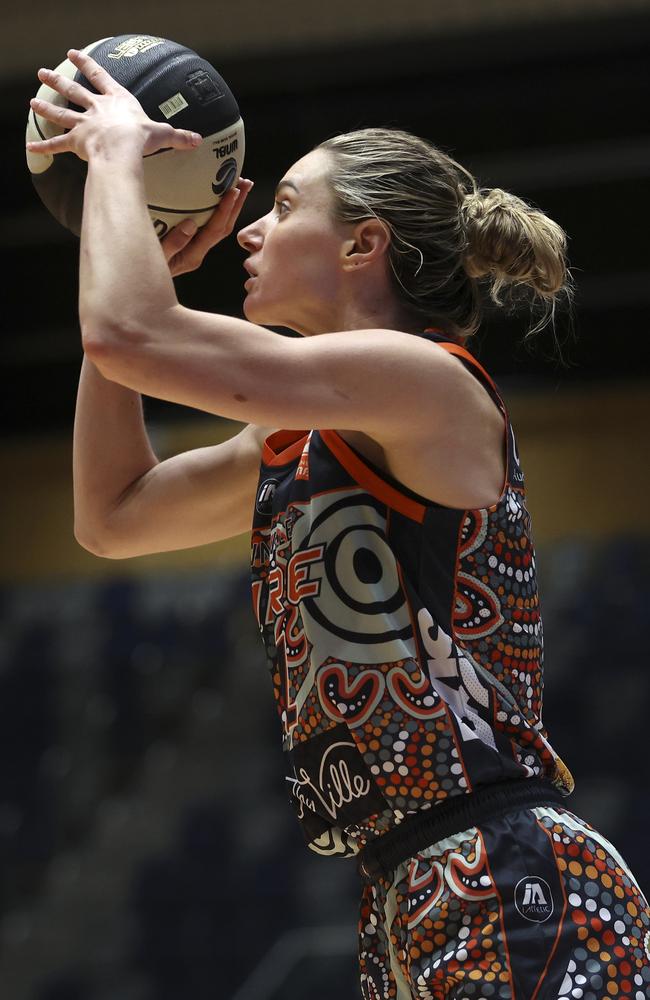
{"x":533,"y":898}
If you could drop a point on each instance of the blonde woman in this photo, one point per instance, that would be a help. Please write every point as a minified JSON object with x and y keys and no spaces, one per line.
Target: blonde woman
{"x":393,"y":566}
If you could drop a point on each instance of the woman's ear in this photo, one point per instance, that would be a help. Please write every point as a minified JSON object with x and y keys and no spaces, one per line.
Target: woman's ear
{"x":370,"y":241}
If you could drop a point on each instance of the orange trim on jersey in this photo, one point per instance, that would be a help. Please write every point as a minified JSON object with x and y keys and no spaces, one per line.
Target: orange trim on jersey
{"x":283,"y":446}
{"x":462,"y":352}
{"x":370,"y":481}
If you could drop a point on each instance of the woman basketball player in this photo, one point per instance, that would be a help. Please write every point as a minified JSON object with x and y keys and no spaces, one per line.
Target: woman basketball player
{"x":393,"y":568}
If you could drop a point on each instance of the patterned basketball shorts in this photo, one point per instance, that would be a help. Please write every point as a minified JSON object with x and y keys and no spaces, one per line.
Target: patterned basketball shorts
{"x":534,"y":905}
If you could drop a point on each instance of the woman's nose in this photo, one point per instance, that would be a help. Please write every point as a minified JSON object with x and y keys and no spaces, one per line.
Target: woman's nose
{"x":250,"y":237}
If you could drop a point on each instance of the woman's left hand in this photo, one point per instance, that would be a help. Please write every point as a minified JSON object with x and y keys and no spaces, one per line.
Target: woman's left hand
{"x":108,"y":115}
{"x":185,"y":247}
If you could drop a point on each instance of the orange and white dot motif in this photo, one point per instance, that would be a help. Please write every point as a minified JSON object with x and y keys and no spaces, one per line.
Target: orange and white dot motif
{"x":404,"y":638}
{"x":405,"y":646}
{"x":535,"y":905}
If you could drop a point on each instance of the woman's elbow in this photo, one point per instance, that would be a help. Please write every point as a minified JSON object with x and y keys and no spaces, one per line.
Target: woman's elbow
{"x":95,"y":543}
{"x":105,"y":336}
{"x":98,"y":337}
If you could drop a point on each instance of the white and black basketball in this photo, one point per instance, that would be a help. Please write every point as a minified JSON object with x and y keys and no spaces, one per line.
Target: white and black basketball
{"x":173,"y":84}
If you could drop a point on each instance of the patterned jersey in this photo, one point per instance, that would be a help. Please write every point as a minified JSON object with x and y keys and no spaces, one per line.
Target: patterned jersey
{"x":404,"y":637}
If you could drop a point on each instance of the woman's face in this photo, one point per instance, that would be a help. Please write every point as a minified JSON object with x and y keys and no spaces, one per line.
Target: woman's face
{"x":296,"y":252}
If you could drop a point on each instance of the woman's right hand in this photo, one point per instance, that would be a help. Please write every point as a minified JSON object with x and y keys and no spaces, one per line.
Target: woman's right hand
{"x":185,"y":246}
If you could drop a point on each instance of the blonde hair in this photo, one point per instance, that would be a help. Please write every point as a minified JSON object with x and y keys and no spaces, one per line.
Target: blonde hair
{"x":449,"y":238}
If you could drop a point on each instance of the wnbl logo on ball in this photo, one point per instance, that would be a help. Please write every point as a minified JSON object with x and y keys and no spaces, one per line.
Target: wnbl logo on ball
{"x":226,"y":176}
{"x":534,"y":899}
{"x":227,"y":172}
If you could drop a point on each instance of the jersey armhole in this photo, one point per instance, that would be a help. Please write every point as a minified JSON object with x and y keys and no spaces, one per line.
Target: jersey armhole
{"x":366,"y":475}
{"x":396,"y":495}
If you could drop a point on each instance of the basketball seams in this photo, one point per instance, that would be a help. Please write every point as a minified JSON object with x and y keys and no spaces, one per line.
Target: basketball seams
{"x":37,"y":126}
{"x":182,"y":211}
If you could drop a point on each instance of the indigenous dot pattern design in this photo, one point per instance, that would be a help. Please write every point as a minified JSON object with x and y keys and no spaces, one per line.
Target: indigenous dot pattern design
{"x":405,"y":646}
{"x":412,"y":764}
{"x":497,"y":586}
{"x":498,"y":623}
{"x":606,"y":912}
{"x":435,"y":931}
{"x":404,"y":638}
{"x":461,"y":921}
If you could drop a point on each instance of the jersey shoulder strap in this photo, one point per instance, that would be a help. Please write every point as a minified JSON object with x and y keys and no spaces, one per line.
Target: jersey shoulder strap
{"x":514,"y":474}
{"x":453,"y":347}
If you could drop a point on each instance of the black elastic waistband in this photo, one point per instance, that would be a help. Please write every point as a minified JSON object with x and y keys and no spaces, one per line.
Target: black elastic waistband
{"x":381,"y":856}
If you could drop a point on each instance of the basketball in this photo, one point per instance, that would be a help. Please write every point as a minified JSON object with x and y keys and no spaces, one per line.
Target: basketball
{"x":173,"y":84}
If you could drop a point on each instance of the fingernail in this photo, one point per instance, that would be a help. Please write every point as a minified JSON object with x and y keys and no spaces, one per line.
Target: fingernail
{"x":188,"y":227}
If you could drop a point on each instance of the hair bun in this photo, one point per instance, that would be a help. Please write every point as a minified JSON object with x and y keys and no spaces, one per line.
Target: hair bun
{"x":512,"y":242}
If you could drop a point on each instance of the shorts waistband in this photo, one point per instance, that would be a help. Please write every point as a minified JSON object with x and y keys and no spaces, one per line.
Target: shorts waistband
{"x":380,"y":857}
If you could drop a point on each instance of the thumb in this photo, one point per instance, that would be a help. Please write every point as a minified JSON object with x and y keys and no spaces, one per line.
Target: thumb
{"x":180,"y":138}
{"x":178,"y":238}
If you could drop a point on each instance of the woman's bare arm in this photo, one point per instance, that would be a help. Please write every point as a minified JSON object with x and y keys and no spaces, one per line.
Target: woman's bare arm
{"x":128,"y":503}
{"x":393,"y":387}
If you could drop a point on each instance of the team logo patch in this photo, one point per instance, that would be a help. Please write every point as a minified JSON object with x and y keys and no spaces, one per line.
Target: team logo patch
{"x":534,"y":899}
{"x":265,"y":494}
{"x":330,"y":781}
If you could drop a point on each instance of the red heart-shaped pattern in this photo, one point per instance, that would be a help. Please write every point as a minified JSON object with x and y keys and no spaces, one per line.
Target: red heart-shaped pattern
{"x":350,"y":701}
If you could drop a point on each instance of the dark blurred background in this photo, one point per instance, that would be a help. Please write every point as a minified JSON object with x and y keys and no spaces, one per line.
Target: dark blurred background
{"x":146,"y":848}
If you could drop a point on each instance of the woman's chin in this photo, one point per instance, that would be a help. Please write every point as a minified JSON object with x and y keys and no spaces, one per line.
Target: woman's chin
{"x":252,"y":311}
{"x":256,"y":312}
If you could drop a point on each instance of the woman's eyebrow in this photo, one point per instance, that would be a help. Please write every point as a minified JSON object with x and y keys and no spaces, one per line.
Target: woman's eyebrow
{"x":287,"y":183}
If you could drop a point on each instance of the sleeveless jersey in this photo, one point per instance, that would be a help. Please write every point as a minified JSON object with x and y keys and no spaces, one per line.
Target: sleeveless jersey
{"x":404,"y":637}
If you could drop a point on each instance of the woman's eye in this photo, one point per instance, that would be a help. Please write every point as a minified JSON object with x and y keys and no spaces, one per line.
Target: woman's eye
{"x":282,"y":207}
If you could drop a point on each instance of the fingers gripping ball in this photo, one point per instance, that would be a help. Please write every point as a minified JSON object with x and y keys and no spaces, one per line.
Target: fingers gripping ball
{"x":173,"y":84}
